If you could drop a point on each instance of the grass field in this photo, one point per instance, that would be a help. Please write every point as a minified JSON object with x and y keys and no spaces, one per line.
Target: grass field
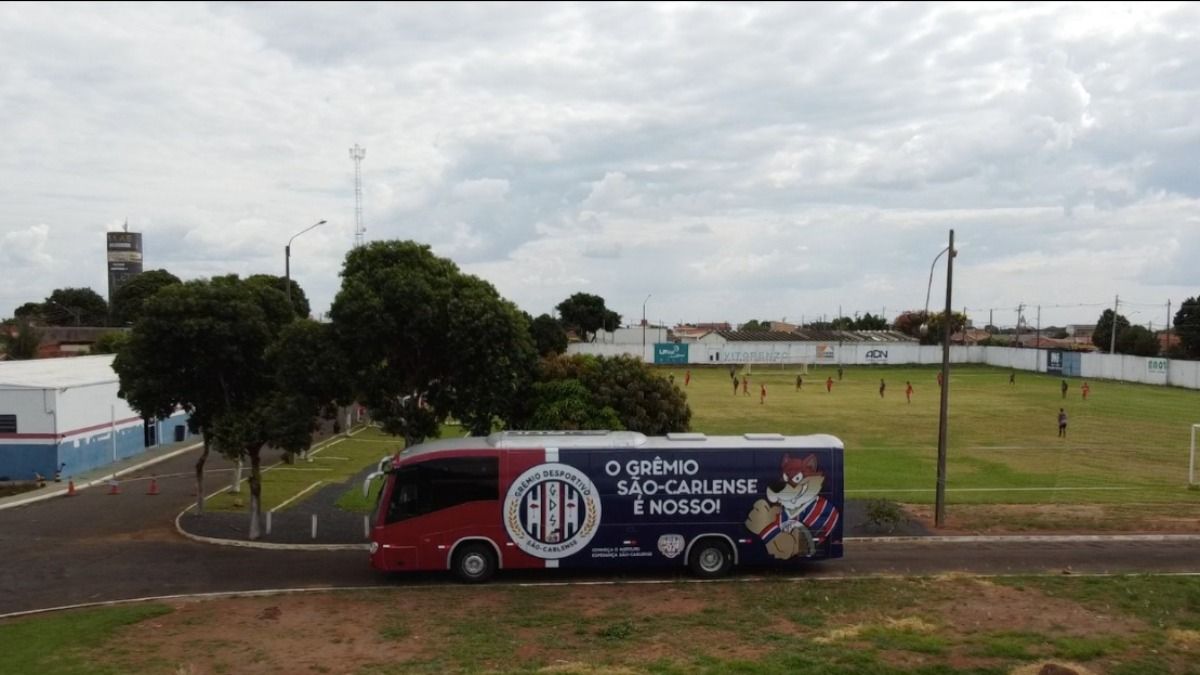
{"x":1128,"y":443}
{"x":334,"y":461}
{"x":1119,"y":625}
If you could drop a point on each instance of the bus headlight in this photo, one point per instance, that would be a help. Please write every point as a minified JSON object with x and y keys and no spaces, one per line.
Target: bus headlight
{"x":374,"y":547}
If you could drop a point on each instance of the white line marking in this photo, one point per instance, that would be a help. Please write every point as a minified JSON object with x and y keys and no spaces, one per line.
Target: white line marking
{"x":296,"y":496}
{"x":341,"y":459}
{"x":305,"y":468}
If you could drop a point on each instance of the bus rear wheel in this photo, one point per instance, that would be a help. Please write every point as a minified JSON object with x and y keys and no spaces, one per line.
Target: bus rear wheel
{"x":474,"y":563}
{"x":711,"y":558}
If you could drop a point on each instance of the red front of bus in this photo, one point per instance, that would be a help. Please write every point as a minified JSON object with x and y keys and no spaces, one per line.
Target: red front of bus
{"x":432,"y":503}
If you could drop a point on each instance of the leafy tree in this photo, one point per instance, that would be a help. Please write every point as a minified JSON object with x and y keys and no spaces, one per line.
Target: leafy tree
{"x":842,"y":323}
{"x":1187,"y":326}
{"x":200,"y":346}
{"x":299,"y":298}
{"x":587,"y":314}
{"x":1102,"y":335}
{"x":425,"y":341}
{"x":642,"y":400}
{"x":110,"y":343}
{"x":756,"y":325}
{"x":567,"y":404}
{"x":909,"y":322}
{"x":869,"y":322}
{"x":29,"y":310}
{"x":20,"y":339}
{"x":548,"y":335}
{"x":75,"y":307}
{"x":1139,"y":341}
{"x":937,"y":326}
{"x":128,"y":300}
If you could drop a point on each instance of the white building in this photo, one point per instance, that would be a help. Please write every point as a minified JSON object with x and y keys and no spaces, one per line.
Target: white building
{"x":65,"y":413}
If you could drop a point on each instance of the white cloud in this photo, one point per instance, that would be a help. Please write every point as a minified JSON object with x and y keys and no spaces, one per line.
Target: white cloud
{"x":738,"y":161}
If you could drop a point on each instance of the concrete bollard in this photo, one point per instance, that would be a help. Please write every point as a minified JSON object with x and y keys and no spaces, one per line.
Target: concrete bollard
{"x":268,"y":522}
{"x":314,"y":526}
{"x":366,"y":527}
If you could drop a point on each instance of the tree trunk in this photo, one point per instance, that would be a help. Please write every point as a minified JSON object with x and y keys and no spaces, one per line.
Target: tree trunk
{"x":200,"y":475}
{"x":255,"y":493}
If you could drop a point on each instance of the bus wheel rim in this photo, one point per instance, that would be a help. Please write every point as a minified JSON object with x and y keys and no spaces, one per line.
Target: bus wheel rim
{"x":711,"y":559}
{"x":474,"y":564}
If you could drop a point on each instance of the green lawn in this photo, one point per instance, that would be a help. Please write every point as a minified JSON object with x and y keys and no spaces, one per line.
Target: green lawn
{"x":58,"y":643}
{"x":1128,"y":436}
{"x":333,"y":461}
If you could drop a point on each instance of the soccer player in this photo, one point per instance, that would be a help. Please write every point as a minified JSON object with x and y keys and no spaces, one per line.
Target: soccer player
{"x":1064,"y":389}
{"x":829,"y":384}
{"x":799,"y":382}
{"x":762,"y":396}
{"x":882,"y":386}
{"x":940,"y":379}
{"x":1085,"y":389}
{"x":839,"y":373}
{"x":1062,"y":423}
{"x":1012,"y":377}
{"x":735,"y":385}
{"x":746,"y":385}
{"x":908,"y":391}
{"x":687,"y":378}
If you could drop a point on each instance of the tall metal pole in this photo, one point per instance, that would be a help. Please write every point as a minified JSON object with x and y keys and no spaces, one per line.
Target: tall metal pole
{"x":644,"y":325}
{"x":939,"y":517}
{"x":1112,"y":343}
{"x":1038,"y":344}
{"x":1168,"y":325}
{"x":287,"y":261}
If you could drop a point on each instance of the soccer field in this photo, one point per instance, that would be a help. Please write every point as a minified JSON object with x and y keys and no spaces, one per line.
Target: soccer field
{"x":1128,"y":443}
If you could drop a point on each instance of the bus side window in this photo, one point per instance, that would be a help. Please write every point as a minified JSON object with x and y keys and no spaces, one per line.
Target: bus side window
{"x":442,"y":483}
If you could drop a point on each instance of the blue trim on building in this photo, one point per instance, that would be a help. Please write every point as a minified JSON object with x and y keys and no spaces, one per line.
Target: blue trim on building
{"x":87,"y":452}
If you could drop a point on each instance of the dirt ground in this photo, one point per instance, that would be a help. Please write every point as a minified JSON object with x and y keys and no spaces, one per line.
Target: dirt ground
{"x":610,"y":628}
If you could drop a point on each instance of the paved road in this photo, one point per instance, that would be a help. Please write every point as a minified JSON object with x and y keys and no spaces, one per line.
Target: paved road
{"x":98,"y":547}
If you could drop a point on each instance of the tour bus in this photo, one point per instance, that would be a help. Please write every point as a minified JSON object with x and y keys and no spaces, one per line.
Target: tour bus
{"x":578,"y":499}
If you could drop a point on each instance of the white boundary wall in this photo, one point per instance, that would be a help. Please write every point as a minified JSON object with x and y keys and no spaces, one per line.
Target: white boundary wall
{"x":1121,"y":367}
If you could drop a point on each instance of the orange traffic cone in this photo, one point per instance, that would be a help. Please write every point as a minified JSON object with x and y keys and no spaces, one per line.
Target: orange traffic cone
{"x":114,"y":488}
{"x":70,"y":487}
{"x":153,"y":486}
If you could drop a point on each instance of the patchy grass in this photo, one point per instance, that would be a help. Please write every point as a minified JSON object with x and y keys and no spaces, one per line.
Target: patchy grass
{"x":333,"y":461}
{"x":61,"y":643}
{"x":885,"y":626}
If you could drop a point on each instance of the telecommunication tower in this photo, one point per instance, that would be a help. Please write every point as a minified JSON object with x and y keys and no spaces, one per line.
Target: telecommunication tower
{"x":357,"y":154}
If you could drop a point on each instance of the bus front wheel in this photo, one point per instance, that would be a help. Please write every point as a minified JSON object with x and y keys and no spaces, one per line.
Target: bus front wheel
{"x":474,"y":563}
{"x":711,"y":558}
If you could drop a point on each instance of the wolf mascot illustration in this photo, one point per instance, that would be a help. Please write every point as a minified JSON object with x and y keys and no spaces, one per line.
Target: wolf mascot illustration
{"x":794,"y":518}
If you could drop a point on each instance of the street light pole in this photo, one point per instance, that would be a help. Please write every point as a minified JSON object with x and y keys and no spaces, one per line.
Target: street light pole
{"x":939,"y":516}
{"x":287,"y":262}
{"x":644,"y":325}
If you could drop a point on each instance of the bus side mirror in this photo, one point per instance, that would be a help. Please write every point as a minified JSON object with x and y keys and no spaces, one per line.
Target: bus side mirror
{"x":367,"y":482}
{"x":385,"y":463}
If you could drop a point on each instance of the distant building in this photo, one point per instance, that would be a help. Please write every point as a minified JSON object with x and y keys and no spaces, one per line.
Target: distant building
{"x":1076,"y":330}
{"x":124,"y":259}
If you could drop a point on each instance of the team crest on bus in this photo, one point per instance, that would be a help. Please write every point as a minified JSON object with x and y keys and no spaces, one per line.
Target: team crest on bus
{"x":670,"y":545}
{"x":552,"y":511}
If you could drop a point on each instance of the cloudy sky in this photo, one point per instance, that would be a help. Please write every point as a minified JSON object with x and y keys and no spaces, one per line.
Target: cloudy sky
{"x":734,"y":161}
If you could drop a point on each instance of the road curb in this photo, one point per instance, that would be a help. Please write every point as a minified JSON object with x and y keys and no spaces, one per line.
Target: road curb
{"x":268,"y":546}
{"x":92,"y":483}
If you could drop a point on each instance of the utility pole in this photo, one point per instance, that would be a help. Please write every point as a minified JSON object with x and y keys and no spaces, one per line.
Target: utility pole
{"x":1168,"y":324}
{"x":1112,"y":343}
{"x":1038,"y":344}
{"x":990,"y":321}
{"x":1020,"y":309}
{"x":939,"y":516}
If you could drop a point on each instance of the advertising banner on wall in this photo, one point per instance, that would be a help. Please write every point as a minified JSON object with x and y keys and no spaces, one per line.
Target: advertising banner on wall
{"x":1054,"y":361}
{"x":670,"y":352}
{"x":1156,"y":369}
{"x":826,"y":352}
{"x":876,"y":356}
